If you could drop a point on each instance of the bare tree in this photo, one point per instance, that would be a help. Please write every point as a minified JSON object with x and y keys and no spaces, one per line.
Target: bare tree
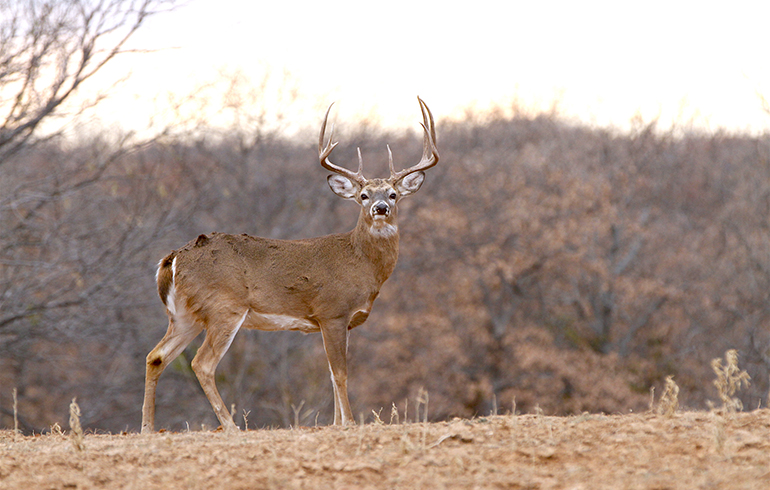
{"x":51,"y":276}
{"x":48,"y":49}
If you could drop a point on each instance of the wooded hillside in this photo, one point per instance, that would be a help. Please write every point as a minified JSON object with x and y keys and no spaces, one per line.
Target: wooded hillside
{"x":561,"y":265}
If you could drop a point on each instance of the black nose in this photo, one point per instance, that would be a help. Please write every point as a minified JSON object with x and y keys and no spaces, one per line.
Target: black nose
{"x":381,"y":208}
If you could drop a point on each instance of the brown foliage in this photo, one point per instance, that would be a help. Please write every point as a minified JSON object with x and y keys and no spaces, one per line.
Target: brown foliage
{"x":568,"y":267}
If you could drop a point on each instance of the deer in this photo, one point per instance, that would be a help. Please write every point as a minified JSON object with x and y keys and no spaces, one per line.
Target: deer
{"x":222,"y":283}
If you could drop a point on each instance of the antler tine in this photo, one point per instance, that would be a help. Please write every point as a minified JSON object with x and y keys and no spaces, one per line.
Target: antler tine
{"x":360,"y":162}
{"x":427,"y":118}
{"x":430,"y":154}
{"x":325,"y":149}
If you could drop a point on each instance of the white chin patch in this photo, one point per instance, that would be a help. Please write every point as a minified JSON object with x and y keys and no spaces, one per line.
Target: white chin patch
{"x":384,"y":230}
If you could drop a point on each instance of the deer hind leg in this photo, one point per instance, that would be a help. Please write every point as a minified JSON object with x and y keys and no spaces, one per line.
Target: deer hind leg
{"x":181,"y":331}
{"x":335,"y":337}
{"x":219,"y":336}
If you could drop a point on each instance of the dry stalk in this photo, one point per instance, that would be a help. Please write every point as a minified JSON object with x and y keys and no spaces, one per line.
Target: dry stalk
{"x":730,"y":379}
{"x":297,"y":410}
{"x":377,"y":419}
{"x":56,"y":430}
{"x":652,"y":400}
{"x":15,"y":414}
{"x":422,"y":399}
{"x":394,"y":414}
{"x":669,"y":400}
{"x":75,"y":427}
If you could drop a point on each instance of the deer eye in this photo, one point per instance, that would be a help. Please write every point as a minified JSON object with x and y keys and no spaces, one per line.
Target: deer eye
{"x":364,"y":197}
{"x":393,"y":195}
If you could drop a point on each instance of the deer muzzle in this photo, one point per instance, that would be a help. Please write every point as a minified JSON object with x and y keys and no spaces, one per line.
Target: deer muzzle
{"x":380,"y":209}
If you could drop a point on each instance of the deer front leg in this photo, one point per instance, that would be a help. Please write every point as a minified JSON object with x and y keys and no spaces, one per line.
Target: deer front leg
{"x":335,"y":337}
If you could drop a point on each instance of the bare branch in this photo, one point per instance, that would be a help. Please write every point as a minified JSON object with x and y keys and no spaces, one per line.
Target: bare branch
{"x":49,"y":49}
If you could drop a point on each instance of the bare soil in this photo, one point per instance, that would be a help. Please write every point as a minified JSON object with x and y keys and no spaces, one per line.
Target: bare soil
{"x":690,"y":450}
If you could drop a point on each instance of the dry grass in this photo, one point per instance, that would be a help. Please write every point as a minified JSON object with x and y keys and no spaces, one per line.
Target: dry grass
{"x":525,"y":451}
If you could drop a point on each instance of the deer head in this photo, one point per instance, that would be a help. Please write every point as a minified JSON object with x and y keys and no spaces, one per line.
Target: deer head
{"x":378,"y":197}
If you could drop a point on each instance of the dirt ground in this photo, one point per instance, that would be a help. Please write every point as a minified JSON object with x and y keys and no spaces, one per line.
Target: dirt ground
{"x":689,"y":450}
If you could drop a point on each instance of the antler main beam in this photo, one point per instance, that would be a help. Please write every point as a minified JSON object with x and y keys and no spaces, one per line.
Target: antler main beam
{"x":429,"y":150}
{"x":325,"y":149}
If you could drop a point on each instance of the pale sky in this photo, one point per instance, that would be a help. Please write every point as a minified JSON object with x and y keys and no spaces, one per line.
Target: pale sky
{"x":603,"y":61}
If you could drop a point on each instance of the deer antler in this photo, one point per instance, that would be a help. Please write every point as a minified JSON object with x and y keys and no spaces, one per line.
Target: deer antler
{"x":429,"y":150}
{"x":325,"y":149}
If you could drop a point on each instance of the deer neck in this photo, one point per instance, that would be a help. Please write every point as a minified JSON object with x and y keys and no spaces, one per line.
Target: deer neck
{"x":378,"y":243}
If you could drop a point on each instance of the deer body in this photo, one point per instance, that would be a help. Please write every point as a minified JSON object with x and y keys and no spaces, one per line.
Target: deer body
{"x":222,"y":283}
{"x":304,"y":289}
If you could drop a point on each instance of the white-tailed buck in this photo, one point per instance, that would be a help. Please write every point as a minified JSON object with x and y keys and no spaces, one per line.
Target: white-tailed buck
{"x":222,"y":283}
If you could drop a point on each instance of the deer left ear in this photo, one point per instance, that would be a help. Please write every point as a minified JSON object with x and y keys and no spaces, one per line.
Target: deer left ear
{"x":410,"y":183}
{"x":342,"y":186}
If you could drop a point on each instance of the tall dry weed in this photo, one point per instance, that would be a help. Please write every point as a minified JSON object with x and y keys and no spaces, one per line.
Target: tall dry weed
{"x":377,"y":418}
{"x":15,"y":414}
{"x":669,"y":400}
{"x":730,"y":379}
{"x":77,"y":438}
{"x":394,"y":414}
{"x":421,"y":401}
{"x":56,"y":430}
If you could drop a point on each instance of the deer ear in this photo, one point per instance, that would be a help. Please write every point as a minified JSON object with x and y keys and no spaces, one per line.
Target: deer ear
{"x":342,"y":186}
{"x":410,"y":183}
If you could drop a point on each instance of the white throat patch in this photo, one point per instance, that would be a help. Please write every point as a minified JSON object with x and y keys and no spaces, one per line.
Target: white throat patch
{"x":383,"y":230}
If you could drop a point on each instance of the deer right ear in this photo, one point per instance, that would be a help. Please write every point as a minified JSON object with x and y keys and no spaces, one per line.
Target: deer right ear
{"x":342,"y":186}
{"x":410,"y":184}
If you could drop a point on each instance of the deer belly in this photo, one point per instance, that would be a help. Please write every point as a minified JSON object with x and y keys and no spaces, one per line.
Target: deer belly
{"x":274,"y":322}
